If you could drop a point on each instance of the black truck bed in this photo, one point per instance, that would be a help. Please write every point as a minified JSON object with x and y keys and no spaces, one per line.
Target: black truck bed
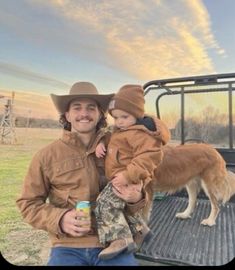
{"x":186,"y":242}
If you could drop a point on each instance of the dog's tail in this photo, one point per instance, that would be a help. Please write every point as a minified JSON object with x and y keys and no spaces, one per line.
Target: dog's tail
{"x":230,"y":177}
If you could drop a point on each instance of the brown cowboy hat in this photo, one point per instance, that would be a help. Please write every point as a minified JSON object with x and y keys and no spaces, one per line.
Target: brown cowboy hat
{"x":81,"y":90}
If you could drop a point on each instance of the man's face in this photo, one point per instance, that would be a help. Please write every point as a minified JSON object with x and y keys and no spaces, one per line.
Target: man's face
{"x":83,"y":114}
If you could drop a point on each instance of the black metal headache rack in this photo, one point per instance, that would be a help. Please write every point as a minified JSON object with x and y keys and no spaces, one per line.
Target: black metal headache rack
{"x":186,"y":242}
{"x":196,"y":85}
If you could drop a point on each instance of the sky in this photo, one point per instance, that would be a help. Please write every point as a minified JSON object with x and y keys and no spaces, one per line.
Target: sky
{"x":46,"y":46}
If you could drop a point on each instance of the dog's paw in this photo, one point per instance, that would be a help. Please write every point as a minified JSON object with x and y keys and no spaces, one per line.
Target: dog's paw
{"x":208,"y":222}
{"x":182,"y":215}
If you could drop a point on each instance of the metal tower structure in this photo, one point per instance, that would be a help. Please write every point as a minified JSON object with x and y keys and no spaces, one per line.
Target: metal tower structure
{"x":7,"y":125}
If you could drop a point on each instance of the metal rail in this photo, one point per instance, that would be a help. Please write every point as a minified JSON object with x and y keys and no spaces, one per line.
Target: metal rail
{"x":180,"y":86}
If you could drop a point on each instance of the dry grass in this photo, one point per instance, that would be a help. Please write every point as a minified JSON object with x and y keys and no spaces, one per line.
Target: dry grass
{"x":20,"y":244}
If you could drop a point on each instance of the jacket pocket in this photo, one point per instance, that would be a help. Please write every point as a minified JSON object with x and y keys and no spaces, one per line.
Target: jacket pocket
{"x":117,"y":156}
{"x":68,"y":165}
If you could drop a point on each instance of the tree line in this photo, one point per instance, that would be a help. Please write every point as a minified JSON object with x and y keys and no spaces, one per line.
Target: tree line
{"x":25,"y":122}
{"x":211,"y":127}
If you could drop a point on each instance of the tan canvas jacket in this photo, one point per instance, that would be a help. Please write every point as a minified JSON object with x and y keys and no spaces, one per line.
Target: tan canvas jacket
{"x":136,"y":152}
{"x":59,"y":175}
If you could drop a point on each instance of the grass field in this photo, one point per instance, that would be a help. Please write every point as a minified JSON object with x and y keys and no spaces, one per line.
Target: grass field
{"x":19,"y":243}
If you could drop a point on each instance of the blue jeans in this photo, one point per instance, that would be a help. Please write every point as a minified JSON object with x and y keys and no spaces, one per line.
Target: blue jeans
{"x":86,"y":256}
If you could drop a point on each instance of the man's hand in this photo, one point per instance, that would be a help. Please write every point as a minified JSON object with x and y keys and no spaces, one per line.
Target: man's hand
{"x":119,"y":180}
{"x":130,"y":193}
{"x":74,"y":224}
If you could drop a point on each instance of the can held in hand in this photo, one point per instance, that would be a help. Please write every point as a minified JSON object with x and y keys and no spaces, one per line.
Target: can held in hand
{"x":84,"y":206}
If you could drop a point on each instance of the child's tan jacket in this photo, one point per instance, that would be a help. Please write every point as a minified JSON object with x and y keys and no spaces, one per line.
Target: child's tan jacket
{"x":136,"y":152}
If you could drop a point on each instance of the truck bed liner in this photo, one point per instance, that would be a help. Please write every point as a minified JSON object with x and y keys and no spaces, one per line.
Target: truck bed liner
{"x":186,"y":242}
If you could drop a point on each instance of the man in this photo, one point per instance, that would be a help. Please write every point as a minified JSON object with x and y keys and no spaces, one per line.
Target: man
{"x":67,"y":171}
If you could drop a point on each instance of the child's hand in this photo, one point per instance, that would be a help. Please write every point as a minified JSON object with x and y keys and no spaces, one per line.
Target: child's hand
{"x":119,"y":180}
{"x":100,"y":150}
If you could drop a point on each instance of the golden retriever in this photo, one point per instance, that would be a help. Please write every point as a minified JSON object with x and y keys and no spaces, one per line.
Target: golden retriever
{"x":195,"y":167}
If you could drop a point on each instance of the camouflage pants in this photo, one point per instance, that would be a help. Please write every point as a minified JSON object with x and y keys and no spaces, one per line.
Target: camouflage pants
{"x":112,"y":220}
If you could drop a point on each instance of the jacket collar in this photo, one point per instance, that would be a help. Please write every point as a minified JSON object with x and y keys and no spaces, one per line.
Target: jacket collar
{"x":73,"y":140}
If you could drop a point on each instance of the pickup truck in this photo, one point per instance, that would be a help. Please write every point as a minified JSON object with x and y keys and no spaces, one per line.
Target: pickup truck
{"x":196,"y":109}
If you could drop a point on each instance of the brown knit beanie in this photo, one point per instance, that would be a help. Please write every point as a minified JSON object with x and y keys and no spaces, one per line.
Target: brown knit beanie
{"x":129,"y":98}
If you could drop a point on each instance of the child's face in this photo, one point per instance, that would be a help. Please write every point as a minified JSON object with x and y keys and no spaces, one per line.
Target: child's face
{"x":123,"y":119}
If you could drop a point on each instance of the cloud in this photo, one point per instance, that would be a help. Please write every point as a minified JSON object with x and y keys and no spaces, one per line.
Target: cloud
{"x":22,"y":73}
{"x":157,"y":39}
{"x":146,"y":39}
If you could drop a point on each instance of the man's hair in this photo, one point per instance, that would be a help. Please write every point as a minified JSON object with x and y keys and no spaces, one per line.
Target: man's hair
{"x":101,"y":124}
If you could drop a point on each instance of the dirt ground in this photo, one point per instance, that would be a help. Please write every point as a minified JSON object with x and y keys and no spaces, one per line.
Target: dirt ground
{"x":28,"y":247}
{"x":31,"y":248}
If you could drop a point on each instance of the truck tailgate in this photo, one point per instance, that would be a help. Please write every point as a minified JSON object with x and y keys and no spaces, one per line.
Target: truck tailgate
{"x":186,"y":242}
